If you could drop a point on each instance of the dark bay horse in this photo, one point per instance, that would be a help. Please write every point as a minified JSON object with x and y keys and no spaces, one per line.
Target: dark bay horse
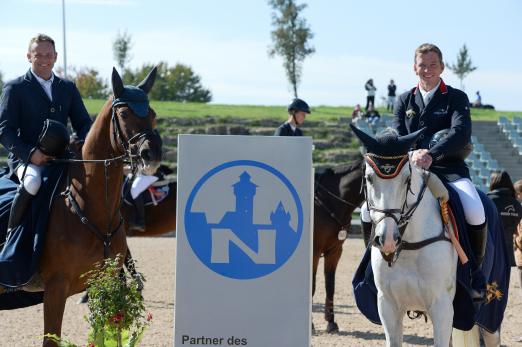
{"x":337,"y":194}
{"x":72,"y":247}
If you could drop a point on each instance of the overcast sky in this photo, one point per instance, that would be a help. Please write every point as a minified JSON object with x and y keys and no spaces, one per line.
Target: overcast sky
{"x":226,"y":43}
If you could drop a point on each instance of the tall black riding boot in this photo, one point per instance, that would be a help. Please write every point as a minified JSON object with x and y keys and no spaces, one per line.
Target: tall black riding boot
{"x":139,"y":218}
{"x":21,"y":201}
{"x":478,"y":236}
{"x":367,"y":232}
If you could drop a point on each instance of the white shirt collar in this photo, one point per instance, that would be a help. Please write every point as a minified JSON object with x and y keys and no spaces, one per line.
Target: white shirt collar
{"x":46,"y":84}
{"x":428,"y":95}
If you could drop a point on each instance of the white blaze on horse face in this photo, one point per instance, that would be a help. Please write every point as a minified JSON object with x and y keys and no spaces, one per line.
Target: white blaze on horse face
{"x":386,"y":194}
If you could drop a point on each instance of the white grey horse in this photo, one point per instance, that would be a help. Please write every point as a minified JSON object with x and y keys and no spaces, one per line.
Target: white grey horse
{"x":413,"y":264}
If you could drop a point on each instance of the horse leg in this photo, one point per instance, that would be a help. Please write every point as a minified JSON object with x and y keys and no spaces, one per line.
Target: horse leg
{"x":391,"y":317}
{"x":315,"y":264}
{"x":441,"y":314}
{"x":55,"y":295}
{"x":330,"y":266}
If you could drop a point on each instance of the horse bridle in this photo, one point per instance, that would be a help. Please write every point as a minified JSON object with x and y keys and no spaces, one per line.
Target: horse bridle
{"x":404,"y":213}
{"x":319,"y":187}
{"x":127,"y":156}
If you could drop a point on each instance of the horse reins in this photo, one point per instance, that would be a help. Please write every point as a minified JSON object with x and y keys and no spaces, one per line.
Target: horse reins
{"x":405,"y":213}
{"x":320,"y":203}
{"x":117,"y":137}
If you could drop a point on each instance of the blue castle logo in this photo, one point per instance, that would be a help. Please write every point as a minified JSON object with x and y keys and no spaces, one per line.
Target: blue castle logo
{"x":236,"y":246}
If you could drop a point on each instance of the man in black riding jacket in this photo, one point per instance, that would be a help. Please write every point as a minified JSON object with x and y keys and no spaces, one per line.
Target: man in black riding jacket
{"x":25,"y":104}
{"x":436,"y":106}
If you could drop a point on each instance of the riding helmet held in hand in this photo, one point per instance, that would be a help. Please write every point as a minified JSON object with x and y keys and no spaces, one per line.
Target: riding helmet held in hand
{"x":53,"y":139}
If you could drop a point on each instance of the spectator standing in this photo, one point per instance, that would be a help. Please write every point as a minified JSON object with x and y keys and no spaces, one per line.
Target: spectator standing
{"x":392,"y":88}
{"x":370,"y":96}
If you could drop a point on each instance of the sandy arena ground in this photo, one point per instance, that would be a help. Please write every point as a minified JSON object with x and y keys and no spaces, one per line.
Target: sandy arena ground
{"x":156,"y":256}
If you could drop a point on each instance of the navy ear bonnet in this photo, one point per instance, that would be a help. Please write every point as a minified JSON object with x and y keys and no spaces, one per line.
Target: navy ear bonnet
{"x":136,"y":99}
{"x":387,"y":143}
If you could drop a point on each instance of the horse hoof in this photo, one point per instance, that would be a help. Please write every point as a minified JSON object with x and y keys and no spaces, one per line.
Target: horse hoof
{"x":332,"y":328}
{"x":83,"y":300}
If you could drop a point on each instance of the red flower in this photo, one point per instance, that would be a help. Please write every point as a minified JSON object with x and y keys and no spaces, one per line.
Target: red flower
{"x":117,"y":318}
{"x":149,"y":317}
{"x":91,"y":345}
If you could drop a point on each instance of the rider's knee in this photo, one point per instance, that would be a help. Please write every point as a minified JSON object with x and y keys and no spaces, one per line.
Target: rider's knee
{"x":32,"y":184}
{"x":365,"y":213}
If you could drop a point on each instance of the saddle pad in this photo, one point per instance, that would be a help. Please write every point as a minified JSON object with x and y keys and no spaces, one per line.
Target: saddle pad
{"x":20,"y":255}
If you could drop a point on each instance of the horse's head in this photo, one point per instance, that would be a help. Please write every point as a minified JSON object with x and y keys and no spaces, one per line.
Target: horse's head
{"x":387,"y":178}
{"x":133,"y":122}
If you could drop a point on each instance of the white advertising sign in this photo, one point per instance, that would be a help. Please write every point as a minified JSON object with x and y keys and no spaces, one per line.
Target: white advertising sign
{"x":243,"y":259}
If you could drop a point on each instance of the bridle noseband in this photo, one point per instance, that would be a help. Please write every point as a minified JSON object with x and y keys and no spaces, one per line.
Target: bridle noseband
{"x":406,"y":212}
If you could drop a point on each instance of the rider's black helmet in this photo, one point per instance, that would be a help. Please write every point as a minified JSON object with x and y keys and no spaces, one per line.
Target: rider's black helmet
{"x":299,"y":105}
{"x":459,"y":154}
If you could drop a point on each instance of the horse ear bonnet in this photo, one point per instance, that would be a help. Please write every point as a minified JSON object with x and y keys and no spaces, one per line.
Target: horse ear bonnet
{"x":387,"y":152}
{"x":53,"y":139}
{"x":135,"y":98}
{"x":387,"y":143}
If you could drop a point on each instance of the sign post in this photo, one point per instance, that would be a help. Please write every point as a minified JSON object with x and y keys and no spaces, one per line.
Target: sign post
{"x":243,"y":266}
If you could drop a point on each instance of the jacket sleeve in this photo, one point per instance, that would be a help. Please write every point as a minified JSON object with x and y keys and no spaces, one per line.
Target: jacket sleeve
{"x":399,"y":110}
{"x":460,"y":132}
{"x":80,"y":119}
{"x":10,"y":109}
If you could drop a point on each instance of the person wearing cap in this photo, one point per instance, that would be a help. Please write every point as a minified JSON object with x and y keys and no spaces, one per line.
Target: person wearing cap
{"x":440,"y":108}
{"x":297,"y":111}
{"x":26,"y":103}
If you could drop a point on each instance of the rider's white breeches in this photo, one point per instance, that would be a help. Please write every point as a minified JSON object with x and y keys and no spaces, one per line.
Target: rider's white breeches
{"x":32,"y":179}
{"x":470,"y":200}
{"x":473,"y":209}
{"x":140,"y":183}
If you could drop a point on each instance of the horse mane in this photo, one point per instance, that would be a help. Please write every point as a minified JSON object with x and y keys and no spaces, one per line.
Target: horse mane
{"x":98,"y":122}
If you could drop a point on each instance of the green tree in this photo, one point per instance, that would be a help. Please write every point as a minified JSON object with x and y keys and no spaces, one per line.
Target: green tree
{"x":90,"y":84}
{"x":121,"y":50}
{"x":178,"y":83}
{"x":290,"y":38}
{"x":463,"y":66}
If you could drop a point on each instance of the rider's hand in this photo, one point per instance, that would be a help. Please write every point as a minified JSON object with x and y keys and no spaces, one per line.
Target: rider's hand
{"x":38,"y":158}
{"x":421,"y":158}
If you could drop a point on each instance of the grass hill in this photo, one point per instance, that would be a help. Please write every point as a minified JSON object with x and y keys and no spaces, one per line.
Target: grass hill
{"x":328,"y":125}
{"x":319,"y":113}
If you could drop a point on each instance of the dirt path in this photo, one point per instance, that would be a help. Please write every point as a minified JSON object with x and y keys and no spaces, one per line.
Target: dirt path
{"x":23,"y":327}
